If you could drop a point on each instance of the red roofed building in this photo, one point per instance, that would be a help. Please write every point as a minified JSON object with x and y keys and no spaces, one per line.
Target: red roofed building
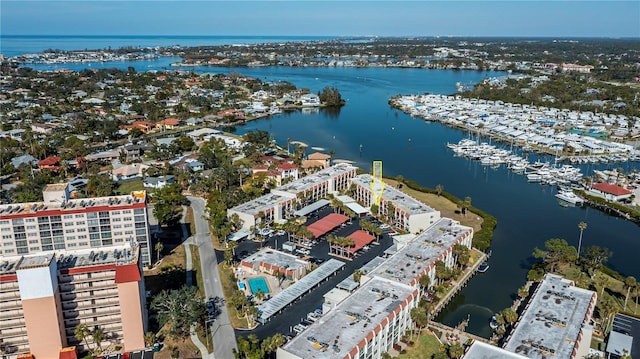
{"x":168,"y":124}
{"x":144,"y":126}
{"x":609,"y":191}
{"x":50,"y":163}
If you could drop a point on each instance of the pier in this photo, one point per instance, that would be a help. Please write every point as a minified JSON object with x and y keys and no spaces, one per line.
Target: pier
{"x":459,"y":284}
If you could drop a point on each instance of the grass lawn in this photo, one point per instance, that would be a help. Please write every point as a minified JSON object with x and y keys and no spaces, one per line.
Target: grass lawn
{"x":128,"y":187}
{"x":424,"y":347}
{"x":228,"y":286}
{"x":447,"y":208}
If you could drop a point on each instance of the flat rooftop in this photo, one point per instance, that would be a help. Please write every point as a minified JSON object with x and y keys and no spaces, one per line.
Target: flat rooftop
{"x":261,"y":204}
{"x":276,"y":258}
{"x":118,"y":255}
{"x":305,"y":183}
{"x":480,"y":350}
{"x":399,"y":199}
{"x":340,"y":330}
{"x":8,"y":211}
{"x":552,"y":321}
{"x":411,"y":260}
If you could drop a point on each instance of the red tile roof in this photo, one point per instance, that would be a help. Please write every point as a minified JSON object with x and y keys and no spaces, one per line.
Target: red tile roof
{"x":170,"y":122}
{"x":287,"y":166}
{"x":50,"y":161}
{"x":610,"y":189}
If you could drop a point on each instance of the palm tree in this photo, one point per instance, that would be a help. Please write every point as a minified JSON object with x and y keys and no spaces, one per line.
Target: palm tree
{"x":98,"y":337}
{"x":357,"y":275}
{"x":456,"y":350}
{"x":82,"y":333}
{"x":630,"y":282}
{"x":149,"y":338}
{"x":158,"y":247}
{"x":439,"y":189}
{"x":582,"y":226}
{"x":466,"y":204}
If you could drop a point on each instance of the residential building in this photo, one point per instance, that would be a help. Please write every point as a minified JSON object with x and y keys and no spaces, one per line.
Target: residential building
{"x":62,"y":223}
{"x":310,"y":99}
{"x":158,"y":181}
{"x":368,"y":321}
{"x":555,"y":321}
{"x":45,"y":296}
{"x":271,"y":261}
{"x":364,"y":325}
{"x":409,"y":214}
{"x":282,"y":202}
{"x":128,"y":172}
{"x":50,"y":163}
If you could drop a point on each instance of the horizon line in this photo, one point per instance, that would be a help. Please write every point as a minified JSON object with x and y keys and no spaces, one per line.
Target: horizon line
{"x":339,"y":36}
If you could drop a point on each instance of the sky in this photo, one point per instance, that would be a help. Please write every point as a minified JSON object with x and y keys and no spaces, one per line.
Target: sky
{"x":512,"y":18}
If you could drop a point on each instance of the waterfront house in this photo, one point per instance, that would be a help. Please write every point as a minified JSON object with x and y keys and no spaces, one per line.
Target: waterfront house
{"x":610,"y":191}
{"x":311,"y":100}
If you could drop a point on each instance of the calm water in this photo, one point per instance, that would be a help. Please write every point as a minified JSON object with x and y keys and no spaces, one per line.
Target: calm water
{"x":367,"y":129}
{"x":13,"y":45}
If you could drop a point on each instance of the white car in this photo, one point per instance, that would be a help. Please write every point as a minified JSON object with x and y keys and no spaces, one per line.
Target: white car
{"x":280,"y":233}
{"x":303,"y":251}
{"x":384,"y":226}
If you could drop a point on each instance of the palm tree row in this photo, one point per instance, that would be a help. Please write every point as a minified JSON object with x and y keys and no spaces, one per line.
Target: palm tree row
{"x":339,"y":244}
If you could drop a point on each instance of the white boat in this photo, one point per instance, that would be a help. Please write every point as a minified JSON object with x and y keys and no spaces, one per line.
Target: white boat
{"x":534,"y":177}
{"x":570,"y":197}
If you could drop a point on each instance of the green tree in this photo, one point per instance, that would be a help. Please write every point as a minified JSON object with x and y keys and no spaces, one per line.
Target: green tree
{"x":557,"y":252}
{"x":179,"y":309}
{"x":158,"y":247}
{"x":456,"y":350}
{"x":582,"y":226}
{"x":357,"y":275}
{"x":98,"y":338}
{"x":149,"y":338}
{"x":82,"y":333}
{"x":168,"y":202}
{"x":630,"y":282}
{"x":593,"y":259}
{"x":510,"y":316}
{"x":100,"y":185}
{"x":439,"y":189}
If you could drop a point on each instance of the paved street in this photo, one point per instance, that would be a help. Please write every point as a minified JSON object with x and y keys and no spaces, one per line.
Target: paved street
{"x":224,"y":338}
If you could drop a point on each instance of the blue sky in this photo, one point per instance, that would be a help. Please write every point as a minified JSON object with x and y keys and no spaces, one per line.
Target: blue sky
{"x":553,"y":18}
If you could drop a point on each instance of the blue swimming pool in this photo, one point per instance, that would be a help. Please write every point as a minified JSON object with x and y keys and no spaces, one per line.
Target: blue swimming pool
{"x":258,"y":284}
{"x":241,"y":285}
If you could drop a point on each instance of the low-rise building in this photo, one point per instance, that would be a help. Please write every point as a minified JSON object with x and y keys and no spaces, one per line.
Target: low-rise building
{"x":271,"y":261}
{"x":409,"y":214}
{"x":282,"y":202}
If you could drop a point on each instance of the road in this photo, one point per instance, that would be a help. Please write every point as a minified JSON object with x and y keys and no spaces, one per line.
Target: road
{"x":223,"y":335}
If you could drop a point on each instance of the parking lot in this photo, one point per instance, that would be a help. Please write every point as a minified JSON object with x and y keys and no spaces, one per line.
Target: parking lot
{"x":318,"y":253}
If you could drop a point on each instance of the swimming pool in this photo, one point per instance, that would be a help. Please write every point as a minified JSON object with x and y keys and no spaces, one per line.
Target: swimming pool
{"x":258,"y":284}
{"x":241,"y":285}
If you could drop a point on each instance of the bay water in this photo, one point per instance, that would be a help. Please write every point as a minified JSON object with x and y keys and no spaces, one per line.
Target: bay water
{"x":368,"y":129}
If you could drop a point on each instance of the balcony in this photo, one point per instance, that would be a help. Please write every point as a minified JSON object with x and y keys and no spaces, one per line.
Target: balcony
{"x":80,"y":287}
{"x":91,"y":313}
{"x":79,"y":296}
{"x":86,"y":277}
{"x":11,"y":314}
{"x":90,"y":303}
{"x":12,"y":323}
